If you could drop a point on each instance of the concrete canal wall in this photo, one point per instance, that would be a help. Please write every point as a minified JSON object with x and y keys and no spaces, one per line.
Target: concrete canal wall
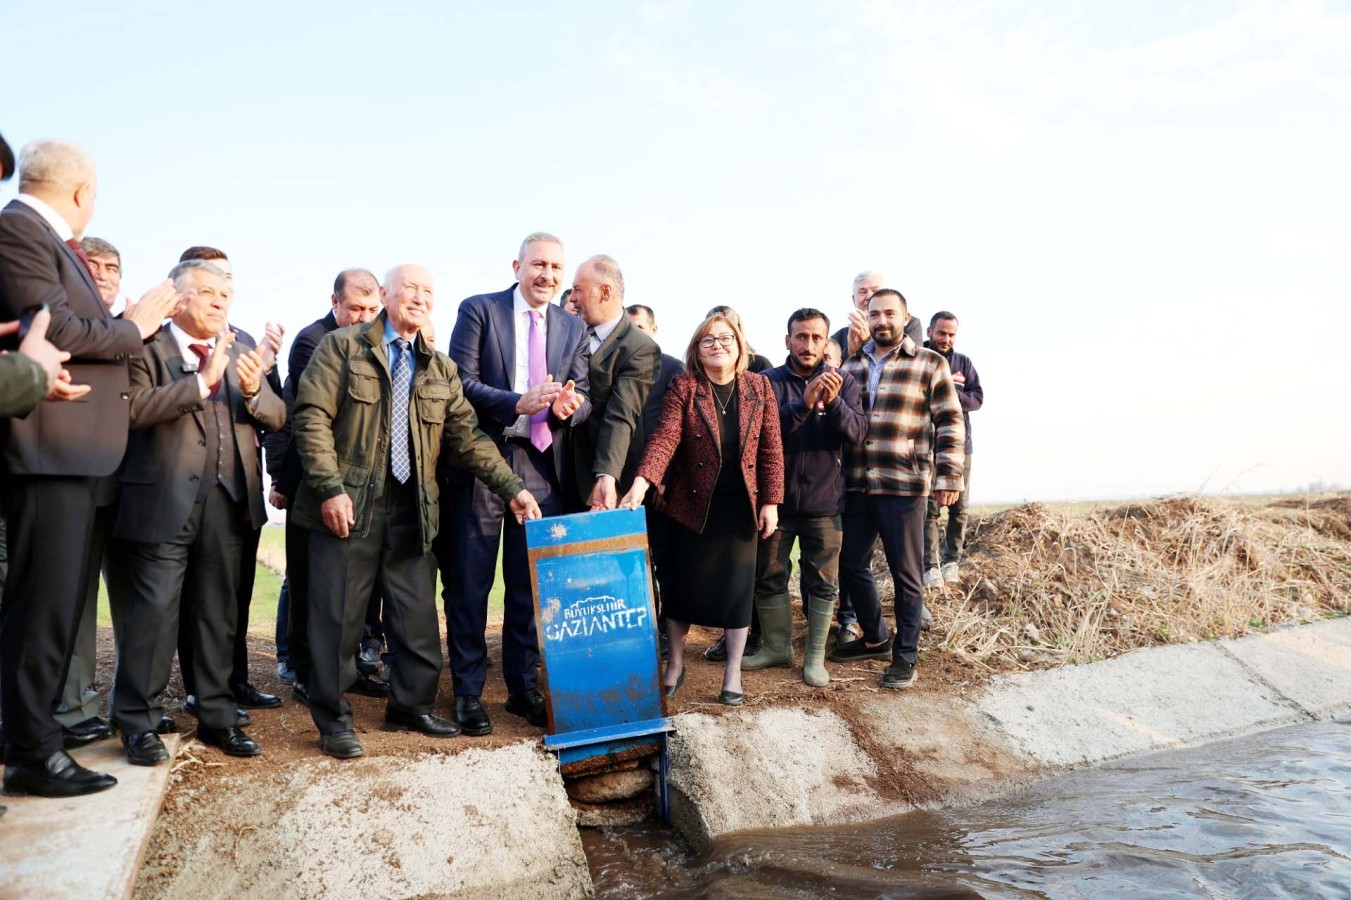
{"x":497,"y":823}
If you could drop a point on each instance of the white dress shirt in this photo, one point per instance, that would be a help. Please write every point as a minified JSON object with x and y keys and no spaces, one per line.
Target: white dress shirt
{"x":520,"y":382}
{"x":598,"y":333}
{"x":185,"y":342}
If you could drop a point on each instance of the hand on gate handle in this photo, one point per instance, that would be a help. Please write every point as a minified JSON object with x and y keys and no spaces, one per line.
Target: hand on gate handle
{"x":524,"y":506}
{"x":339,"y":515}
{"x":603,"y":495}
{"x":946,"y":498}
{"x":634,"y":498}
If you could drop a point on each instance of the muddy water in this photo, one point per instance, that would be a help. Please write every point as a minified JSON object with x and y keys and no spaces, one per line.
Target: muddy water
{"x":1262,"y":816}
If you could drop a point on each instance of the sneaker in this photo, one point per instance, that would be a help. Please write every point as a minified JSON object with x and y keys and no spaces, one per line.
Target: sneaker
{"x":286,"y":674}
{"x":898,"y":675}
{"x":933,"y":578}
{"x":950,"y":573}
{"x":859,"y":649}
{"x":368,"y":660}
{"x":849,"y":631}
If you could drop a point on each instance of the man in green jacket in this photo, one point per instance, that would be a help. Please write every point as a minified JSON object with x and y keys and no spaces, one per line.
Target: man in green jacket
{"x":375,"y":408}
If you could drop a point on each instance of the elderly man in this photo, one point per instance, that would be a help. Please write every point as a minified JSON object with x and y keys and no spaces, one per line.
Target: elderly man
{"x":355,"y":301}
{"x":624,"y":365}
{"x":375,"y":409}
{"x":524,"y":363}
{"x":191,"y":489}
{"x":56,"y":455}
{"x":911,"y":405}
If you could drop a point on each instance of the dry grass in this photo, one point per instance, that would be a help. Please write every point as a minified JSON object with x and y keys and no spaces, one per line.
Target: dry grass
{"x":272,"y":556}
{"x":1044,"y":586}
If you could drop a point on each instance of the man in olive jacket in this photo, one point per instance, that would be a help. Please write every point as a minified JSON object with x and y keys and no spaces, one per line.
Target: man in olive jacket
{"x":371,"y":412}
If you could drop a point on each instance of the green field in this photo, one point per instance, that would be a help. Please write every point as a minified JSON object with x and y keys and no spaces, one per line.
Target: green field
{"x":267,"y":586}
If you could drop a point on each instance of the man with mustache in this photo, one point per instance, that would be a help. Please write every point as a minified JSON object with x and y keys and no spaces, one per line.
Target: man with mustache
{"x":912,"y":411}
{"x":524,"y":363}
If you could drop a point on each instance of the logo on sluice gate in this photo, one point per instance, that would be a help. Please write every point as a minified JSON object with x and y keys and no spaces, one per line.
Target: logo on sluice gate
{"x":595,"y":615}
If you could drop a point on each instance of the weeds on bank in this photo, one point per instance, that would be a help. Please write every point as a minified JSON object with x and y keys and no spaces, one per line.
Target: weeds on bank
{"x":1046,"y":586}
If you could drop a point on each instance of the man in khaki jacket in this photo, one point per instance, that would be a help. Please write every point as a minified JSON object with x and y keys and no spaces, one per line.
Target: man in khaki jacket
{"x":373,"y":411}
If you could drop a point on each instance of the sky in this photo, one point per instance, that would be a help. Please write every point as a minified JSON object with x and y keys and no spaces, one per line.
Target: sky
{"x":1140,"y":213}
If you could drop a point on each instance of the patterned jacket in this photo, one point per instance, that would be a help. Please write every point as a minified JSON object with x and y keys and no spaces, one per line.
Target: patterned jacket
{"x":684,"y":449}
{"x":915,"y":391}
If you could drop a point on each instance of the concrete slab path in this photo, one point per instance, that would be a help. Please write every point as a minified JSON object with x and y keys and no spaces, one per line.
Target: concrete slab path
{"x":83,"y":846}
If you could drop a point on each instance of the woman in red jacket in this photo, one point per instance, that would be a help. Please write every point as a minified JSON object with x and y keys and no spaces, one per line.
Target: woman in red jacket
{"x":717,"y":449}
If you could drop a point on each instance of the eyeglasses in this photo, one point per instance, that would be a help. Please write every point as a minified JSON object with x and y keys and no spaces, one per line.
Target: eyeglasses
{"x":708,"y":341}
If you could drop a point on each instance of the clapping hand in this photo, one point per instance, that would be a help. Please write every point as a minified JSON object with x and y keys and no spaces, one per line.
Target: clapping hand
{"x":251,"y":368}
{"x":859,"y":333}
{"x":270,"y":348}
{"x":568,"y":401}
{"x":822,"y":390}
{"x":155,"y":305}
{"x":214,"y":369}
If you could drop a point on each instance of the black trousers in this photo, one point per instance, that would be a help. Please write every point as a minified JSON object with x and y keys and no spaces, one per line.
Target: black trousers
{"x":818,"y":539}
{"x":342,"y":574}
{"x":193,"y":579}
{"x":50,"y":523}
{"x":473,"y":528}
{"x":899,"y":522}
{"x":297,"y":598}
{"x":239,"y":652}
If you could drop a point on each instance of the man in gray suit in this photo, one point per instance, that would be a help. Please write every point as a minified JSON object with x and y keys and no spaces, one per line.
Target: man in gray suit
{"x":191,"y":488}
{"x":624,"y":365}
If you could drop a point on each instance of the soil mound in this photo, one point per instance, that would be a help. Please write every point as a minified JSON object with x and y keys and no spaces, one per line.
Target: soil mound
{"x":1051,"y":585}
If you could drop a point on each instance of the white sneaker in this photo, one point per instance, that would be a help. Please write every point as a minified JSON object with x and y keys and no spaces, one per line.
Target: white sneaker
{"x":950,"y":573}
{"x":933,"y":578}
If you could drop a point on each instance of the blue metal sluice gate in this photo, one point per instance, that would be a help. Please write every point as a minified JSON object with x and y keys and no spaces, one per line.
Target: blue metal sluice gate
{"x":596,"y":621}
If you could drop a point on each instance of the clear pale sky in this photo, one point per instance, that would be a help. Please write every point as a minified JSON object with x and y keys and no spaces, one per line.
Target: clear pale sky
{"x":1139,"y":213}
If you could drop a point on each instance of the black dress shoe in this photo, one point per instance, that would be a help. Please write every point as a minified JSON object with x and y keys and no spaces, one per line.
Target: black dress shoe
{"x":670,"y":690}
{"x":166,"y":726}
{"x":341,"y":745}
{"x":56,"y":776}
{"x":428,"y":724}
{"x":731,"y":698}
{"x":86,"y":732}
{"x":529,"y":706}
{"x":144,"y":748}
{"x":367,"y":686}
{"x":230,"y":739}
{"x":190,"y":707}
{"x":249,"y":697}
{"x":473,"y":718}
{"x":300,"y":693}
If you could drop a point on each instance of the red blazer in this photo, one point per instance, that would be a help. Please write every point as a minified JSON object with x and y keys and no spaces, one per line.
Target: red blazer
{"x":684,"y":450}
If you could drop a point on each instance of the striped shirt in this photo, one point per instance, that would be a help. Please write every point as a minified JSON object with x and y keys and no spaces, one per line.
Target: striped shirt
{"x":913,"y":390}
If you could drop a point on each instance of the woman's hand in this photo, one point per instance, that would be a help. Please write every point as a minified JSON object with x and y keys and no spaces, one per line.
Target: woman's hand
{"x":769,"y":519}
{"x":634,"y":498}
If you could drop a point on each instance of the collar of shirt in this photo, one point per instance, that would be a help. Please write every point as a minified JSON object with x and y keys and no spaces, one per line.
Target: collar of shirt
{"x":604,"y":330}
{"x":49,"y":215}
{"x":185,"y":342}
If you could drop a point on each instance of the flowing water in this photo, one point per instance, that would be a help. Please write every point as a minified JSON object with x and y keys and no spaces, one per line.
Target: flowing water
{"x":1262,"y":816}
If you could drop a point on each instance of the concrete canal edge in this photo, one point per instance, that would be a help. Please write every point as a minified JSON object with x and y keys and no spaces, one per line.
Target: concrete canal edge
{"x":497,"y":823}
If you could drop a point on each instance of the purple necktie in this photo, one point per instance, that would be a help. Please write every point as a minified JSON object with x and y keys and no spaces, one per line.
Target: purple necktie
{"x":539,"y":372}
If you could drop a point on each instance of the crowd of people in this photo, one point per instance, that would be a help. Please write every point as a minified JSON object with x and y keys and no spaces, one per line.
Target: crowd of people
{"x":135,"y":447}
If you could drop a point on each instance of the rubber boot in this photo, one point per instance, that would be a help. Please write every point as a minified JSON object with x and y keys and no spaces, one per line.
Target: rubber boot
{"x":776,"y":631}
{"x":819,"y":616}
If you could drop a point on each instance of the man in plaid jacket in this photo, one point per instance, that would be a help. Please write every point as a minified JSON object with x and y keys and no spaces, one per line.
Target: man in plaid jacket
{"x":905,"y":390}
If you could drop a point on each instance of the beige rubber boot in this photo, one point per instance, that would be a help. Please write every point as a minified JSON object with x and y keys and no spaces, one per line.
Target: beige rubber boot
{"x":819,"y":614}
{"x":776,"y":630}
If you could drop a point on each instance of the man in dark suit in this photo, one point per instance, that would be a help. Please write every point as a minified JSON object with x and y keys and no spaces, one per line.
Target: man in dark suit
{"x":624,"y":364}
{"x":523,"y":362}
{"x":355,"y":301}
{"x":248,"y":696}
{"x":191,"y":490}
{"x":55,"y":456}
{"x":375,"y":408}
{"x":646,"y":321}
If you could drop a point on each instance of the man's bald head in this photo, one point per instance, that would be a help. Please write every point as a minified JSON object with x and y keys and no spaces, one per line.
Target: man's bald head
{"x":61,"y":175}
{"x":408,"y":296}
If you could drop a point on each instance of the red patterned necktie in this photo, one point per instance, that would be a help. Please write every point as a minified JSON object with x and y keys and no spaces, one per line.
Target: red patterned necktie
{"x":203,"y":351}
{"x":75,"y":245}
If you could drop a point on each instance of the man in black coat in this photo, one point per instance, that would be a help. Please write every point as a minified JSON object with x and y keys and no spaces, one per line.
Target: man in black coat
{"x":55,"y":456}
{"x":624,"y":364}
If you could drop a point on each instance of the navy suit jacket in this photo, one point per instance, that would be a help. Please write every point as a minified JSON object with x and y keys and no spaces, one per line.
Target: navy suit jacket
{"x":483,"y":345}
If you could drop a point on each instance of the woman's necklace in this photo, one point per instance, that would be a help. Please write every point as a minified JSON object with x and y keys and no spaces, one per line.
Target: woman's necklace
{"x":720,"y":399}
